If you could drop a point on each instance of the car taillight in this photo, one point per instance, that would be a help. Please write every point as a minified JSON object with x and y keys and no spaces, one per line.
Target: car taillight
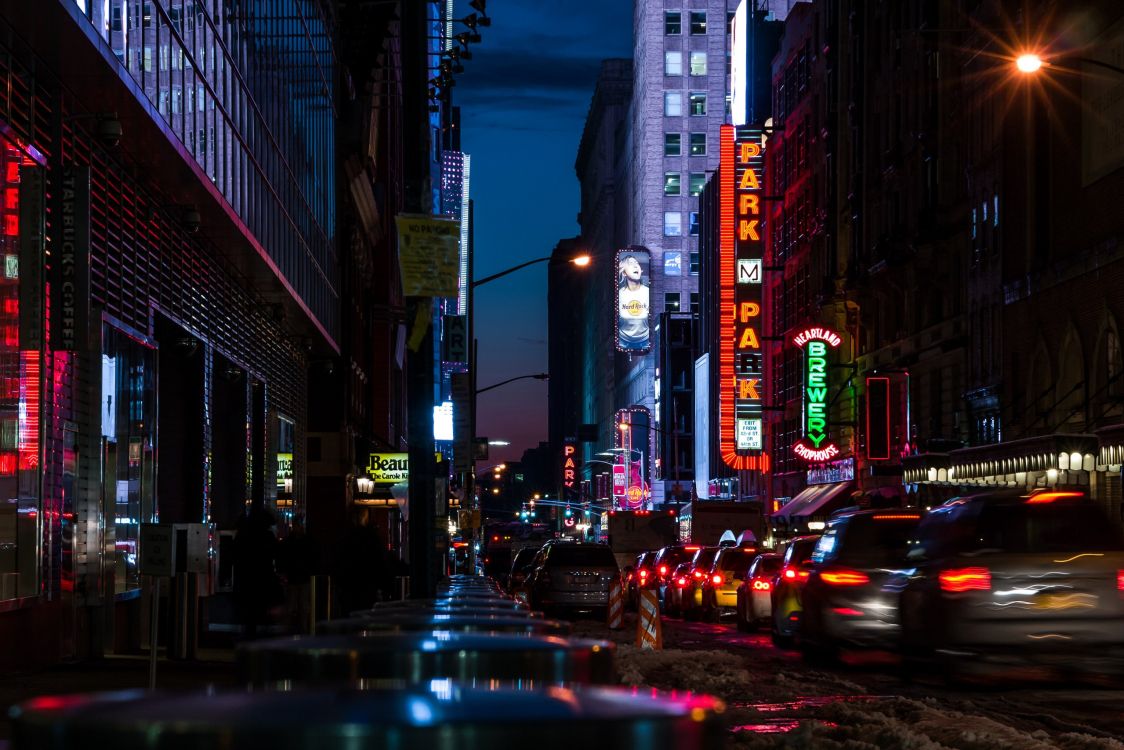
{"x":1120,"y":580}
{"x":793,"y":574}
{"x":716,"y":579}
{"x":844,"y":577}
{"x":958,"y":580}
{"x":681,"y":581}
{"x":759,"y":585}
{"x":663,"y":570}
{"x":643,"y":574}
{"x":699,"y":574}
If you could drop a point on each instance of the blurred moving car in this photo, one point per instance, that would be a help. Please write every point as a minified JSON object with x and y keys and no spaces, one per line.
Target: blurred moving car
{"x":688,"y":599}
{"x":641,"y":576}
{"x":1009,"y":576}
{"x":572,"y":575}
{"x":786,"y":603}
{"x":843,"y":600}
{"x":720,"y":587}
{"x":665,"y":563}
{"x":755,"y":603}
{"x":520,"y":567}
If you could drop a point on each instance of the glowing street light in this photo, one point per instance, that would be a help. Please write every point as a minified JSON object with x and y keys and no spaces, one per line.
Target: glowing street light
{"x":1028,"y":63}
{"x":581,"y":260}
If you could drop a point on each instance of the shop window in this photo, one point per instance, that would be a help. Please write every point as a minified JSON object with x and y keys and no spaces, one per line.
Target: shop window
{"x":286,"y":431}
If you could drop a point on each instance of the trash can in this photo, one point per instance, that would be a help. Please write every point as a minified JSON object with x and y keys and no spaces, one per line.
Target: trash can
{"x":401,"y":659}
{"x":442,"y":716}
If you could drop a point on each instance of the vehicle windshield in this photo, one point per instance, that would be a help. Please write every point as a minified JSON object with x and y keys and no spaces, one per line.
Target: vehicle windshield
{"x":767,"y":566}
{"x":592,"y":556}
{"x":800,"y":550}
{"x":736,"y":560}
{"x":524,"y":558}
{"x":1053,"y":527}
{"x":877,"y":543}
{"x":672,"y":556}
{"x":704,"y":558}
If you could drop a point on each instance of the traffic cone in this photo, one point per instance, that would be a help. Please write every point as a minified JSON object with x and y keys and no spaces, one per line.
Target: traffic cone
{"x":616,"y":606}
{"x":649,"y":633}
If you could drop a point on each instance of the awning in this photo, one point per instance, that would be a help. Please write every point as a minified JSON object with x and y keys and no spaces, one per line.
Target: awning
{"x":814,"y":500}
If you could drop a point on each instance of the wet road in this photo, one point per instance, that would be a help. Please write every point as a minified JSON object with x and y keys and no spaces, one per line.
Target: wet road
{"x":776,"y":700}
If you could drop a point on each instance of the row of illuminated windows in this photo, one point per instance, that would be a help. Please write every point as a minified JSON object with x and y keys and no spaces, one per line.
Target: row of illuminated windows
{"x":673,"y":183}
{"x":673,"y":104}
{"x":673,"y":22}
{"x":673,"y":144}
{"x":673,"y":63}
{"x":673,"y":224}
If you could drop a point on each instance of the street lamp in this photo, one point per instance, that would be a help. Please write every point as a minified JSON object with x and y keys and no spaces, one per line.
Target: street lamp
{"x":579,"y":260}
{"x":1028,"y":63}
{"x":536,"y":376}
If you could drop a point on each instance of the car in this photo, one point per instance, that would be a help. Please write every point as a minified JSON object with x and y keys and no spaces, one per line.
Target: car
{"x":844,"y":605}
{"x":677,"y":582}
{"x":785,"y":598}
{"x":571,"y":575}
{"x":641,"y":576}
{"x":520,"y":567}
{"x":665,"y":563}
{"x":754,"y":601}
{"x":688,"y":600}
{"x":720,"y":587}
{"x":1014,"y":578}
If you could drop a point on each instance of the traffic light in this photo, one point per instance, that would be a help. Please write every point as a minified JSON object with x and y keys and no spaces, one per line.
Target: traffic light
{"x":569,"y":512}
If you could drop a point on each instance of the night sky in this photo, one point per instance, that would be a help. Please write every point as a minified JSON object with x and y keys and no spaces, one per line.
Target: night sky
{"x":524,"y":96}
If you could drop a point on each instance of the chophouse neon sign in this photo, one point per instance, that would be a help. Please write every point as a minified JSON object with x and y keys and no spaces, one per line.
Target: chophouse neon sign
{"x":817,"y":344}
{"x":741,"y":251}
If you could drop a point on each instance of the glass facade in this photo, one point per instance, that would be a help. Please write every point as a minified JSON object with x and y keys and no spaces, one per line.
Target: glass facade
{"x":247,"y":90}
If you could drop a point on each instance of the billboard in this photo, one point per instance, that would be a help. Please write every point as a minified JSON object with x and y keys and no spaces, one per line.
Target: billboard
{"x":389,"y":468}
{"x":741,"y":359}
{"x":739,"y":59}
{"x":817,"y":343}
{"x":633,"y":308}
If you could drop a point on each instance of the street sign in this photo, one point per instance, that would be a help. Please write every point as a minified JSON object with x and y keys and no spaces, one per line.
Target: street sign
{"x":157,"y":549}
{"x":464,"y":451}
{"x":620,"y":480}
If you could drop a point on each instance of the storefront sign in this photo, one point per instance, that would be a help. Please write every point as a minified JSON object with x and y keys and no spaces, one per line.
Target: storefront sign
{"x":834,"y":472}
{"x":284,"y":472}
{"x":741,"y":365}
{"x":570,"y":464}
{"x":817,"y":344}
{"x":30,"y":261}
{"x":70,"y":285}
{"x":389,"y":468}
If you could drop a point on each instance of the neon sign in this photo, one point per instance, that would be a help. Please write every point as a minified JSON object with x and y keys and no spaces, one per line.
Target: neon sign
{"x":569,"y":466}
{"x":817,"y":344}
{"x":741,"y":251}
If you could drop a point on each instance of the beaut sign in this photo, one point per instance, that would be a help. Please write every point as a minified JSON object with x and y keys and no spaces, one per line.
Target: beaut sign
{"x":817,"y":343}
{"x":389,"y":468}
{"x":741,"y":252}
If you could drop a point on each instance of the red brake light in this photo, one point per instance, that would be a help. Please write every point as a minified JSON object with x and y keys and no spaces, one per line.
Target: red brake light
{"x":643,"y":574}
{"x":692,"y":548}
{"x":793,"y":573}
{"x":1049,"y":497}
{"x":716,"y":579}
{"x":681,"y":581}
{"x":897,"y":517}
{"x":965,"y":579}
{"x":844,"y":577}
{"x":700,"y":574}
{"x":663,"y":570}
{"x":1120,"y":580}
{"x":759,"y":585}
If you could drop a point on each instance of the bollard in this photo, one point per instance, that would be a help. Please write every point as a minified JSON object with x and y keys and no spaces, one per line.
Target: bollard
{"x":649,"y":634}
{"x":616,"y":606}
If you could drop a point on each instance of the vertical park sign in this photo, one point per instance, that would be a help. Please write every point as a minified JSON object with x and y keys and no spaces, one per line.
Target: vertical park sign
{"x":818,"y":345}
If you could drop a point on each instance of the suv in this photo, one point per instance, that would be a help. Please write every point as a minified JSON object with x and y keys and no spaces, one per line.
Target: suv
{"x":754,"y":600}
{"x":665,"y":563}
{"x":687,"y":599}
{"x":788,"y":587}
{"x":1014,"y":576}
{"x":844,"y":604}
{"x":641,"y":577}
{"x":520,"y":567}
{"x":572,"y":575}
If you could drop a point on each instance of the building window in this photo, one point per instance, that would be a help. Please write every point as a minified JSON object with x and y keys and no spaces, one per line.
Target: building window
{"x":698,"y":63}
{"x":673,"y":263}
{"x":694,"y":303}
{"x":698,"y":144}
{"x":698,"y":103}
{"x":694,"y":264}
{"x":698,"y":22}
{"x":672,"y":104}
{"x":693,"y":223}
{"x":671,"y":301}
{"x":698,"y":181}
{"x":673,"y":63}
{"x":672,"y":144}
{"x":672,"y":224}
{"x":673,"y":22}
{"x":671,"y":183}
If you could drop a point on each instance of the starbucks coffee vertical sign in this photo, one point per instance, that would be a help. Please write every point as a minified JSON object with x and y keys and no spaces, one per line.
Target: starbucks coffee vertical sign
{"x":70,"y":262}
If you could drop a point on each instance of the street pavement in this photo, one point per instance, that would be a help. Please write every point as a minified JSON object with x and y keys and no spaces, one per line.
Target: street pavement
{"x":775,"y":701}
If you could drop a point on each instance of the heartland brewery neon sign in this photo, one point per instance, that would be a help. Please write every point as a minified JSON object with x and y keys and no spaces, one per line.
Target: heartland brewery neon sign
{"x":817,"y":344}
{"x":740,"y":256}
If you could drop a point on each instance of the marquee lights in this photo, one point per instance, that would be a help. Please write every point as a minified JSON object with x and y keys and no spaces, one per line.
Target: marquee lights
{"x":817,"y":344}
{"x":741,"y":251}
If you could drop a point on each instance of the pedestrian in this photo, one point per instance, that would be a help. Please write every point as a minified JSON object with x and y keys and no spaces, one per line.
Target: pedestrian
{"x":297,"y":562}
{"x":359,"y":564}
{"x":256,"y":587}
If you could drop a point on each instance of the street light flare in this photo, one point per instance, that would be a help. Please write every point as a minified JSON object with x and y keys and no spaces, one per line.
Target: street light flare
{"x":1028,"y":63}
{"x":581,"y":260}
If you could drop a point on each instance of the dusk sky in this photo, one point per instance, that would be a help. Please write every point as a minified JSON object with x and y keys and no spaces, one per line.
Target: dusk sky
{"x":524,"y":96}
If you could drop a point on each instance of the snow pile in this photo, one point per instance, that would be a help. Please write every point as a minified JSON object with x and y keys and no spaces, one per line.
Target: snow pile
{"x":712,"y":672}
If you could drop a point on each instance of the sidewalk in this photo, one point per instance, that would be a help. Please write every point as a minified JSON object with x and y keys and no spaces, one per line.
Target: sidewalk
{"x":213,"y":667}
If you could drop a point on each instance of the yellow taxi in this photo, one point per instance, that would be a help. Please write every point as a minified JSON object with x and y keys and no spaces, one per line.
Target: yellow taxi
{"x":720,"y":587}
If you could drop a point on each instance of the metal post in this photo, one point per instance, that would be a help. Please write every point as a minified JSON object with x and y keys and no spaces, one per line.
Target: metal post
{"x":154,"y":631}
